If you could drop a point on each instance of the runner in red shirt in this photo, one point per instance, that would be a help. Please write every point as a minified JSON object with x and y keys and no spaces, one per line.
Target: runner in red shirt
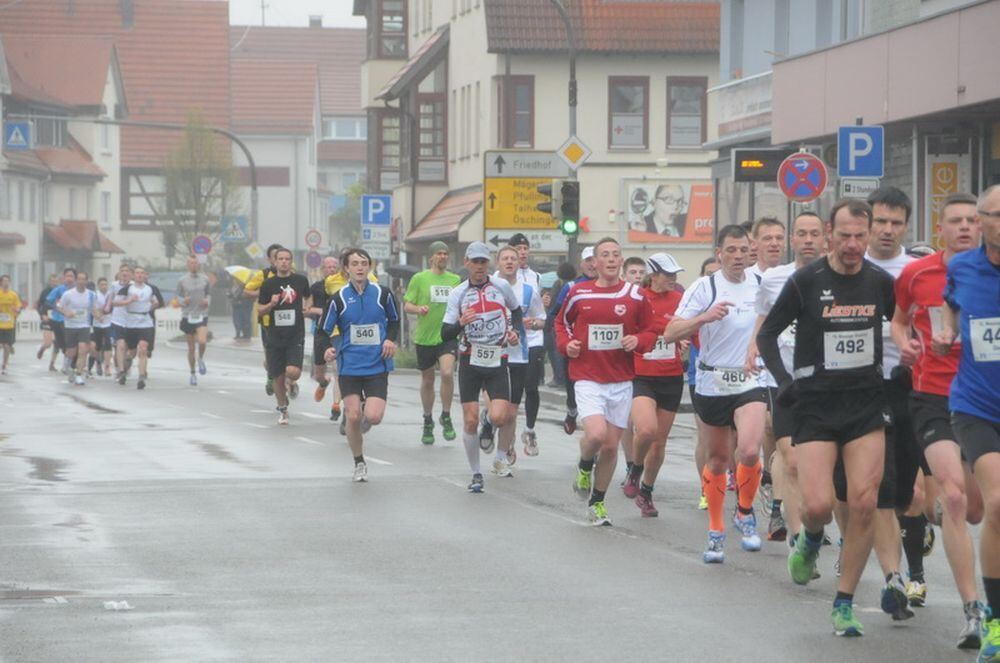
{"x":657,"y":387}
{"x":919,"y":306}
{"x":598,"y":327}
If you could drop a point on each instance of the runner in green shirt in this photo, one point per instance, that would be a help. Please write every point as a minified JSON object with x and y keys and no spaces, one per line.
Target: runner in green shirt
{"x":427,"y":297}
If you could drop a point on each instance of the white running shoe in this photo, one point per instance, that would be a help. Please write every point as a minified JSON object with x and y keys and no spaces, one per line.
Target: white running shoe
{"x":501,"y":468}
{"x":360,"y":472}
{"x":283,"y":416}
{"x":78,"y":380}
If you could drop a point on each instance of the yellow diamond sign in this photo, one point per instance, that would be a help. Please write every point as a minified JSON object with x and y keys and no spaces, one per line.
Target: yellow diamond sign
{"x":574,"y":152}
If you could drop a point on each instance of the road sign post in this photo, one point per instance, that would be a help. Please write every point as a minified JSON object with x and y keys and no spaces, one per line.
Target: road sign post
{"x":861,"y":151}
{"x":802,"y":177}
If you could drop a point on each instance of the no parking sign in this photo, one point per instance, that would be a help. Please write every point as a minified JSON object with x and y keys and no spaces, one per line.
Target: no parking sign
{"x":802,"y":177}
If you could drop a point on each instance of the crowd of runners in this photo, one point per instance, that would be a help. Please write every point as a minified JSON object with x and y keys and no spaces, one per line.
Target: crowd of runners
{"x":859,"y":382}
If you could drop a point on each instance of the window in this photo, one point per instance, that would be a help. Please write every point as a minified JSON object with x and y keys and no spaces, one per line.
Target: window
{"x":105,"y":209}
{"x":517,"y":118}
{"x":4,"y":197}
{"x":106,"y":137}
{"x":50,"y":132}
{"x":476,"y":119}
{"x":20,"y":201}
{"x":71,"y":202}
{"x":432,"y":116}
{"x":392,"y":29}
{"x":345,"y":128}
{"x":348,"y":180}
{"x":33,"y":202}
{"x":736,"y":39}
{"x":389,"y":154}
{"x":628,"y":112}
{"x":686,"y":111}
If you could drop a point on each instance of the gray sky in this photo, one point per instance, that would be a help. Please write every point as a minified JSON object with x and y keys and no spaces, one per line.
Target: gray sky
{"x":294,"y":12}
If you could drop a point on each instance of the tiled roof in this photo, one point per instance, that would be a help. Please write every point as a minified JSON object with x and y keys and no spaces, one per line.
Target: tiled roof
{"x":338,"y":52}
{"x":273,"y":97}
{"x":342,"y":150}
{"x":174,"y":59}
{"x":444,"y":220}
{"x":11,"y":239}
{"x":604,"y":26}
{"x":64,"y":71}
{"x":75,"y":235}
{"x":425,"y":55}
{"x":69,"y":160}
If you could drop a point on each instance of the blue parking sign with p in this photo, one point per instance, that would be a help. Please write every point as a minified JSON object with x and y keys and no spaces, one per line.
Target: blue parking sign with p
{"x":861,"y":151}
{"x":376,"y":210}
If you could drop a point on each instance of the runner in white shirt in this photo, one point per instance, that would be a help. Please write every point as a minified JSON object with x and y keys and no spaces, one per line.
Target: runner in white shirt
{"x":77,"y":306}
{"x":139,"y":303}
{"x":807,"y":245}
{"x":100,"y":341}
{"x":720,"y":308}
{"x":533,"y":317}
{"x":119,"y":318}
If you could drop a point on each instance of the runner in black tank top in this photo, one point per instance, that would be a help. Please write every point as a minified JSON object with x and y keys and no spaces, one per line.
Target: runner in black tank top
{"x":839,"y":303}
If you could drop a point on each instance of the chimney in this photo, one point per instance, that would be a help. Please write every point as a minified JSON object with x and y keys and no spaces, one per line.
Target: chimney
{"x":315,"y":20}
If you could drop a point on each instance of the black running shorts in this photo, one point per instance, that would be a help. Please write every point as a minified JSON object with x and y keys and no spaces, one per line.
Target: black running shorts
{"x":365,"y":386}
{"x":665,"y":390}
{"x":976,"y":436}
{"x":474,"y":379}
{"x":428,"y":355}
{"x":280,"y":357}
{"x":719,"y":411}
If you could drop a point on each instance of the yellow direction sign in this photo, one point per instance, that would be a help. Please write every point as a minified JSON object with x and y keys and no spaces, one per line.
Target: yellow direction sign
{"x":509,"y":202}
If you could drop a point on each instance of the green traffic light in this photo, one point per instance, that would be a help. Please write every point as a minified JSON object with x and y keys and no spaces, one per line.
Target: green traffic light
{"x":570,"y":227}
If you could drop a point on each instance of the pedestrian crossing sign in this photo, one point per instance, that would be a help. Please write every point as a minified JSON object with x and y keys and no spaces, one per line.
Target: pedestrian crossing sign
{"x":17,"y":136}
{"x":234,"y":229}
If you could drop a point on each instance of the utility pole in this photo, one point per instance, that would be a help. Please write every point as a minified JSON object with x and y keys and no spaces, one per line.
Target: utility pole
{"x":263,"y":10}
{"x":571,"y":41}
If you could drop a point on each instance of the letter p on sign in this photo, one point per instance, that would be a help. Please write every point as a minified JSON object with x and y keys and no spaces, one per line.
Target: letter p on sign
{"x":860,"y":151}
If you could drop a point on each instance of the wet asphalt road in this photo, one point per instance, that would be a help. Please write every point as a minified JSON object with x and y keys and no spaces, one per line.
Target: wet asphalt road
{"x":233,"y":540}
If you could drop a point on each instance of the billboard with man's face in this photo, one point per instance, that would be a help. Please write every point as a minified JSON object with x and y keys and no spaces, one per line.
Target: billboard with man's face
{"x":669,"y":212}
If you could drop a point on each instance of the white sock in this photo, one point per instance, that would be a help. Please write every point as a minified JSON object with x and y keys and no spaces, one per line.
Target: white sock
{"x":501,"y":454}
{"x":529,"y":430}
{"x":471,"y":441}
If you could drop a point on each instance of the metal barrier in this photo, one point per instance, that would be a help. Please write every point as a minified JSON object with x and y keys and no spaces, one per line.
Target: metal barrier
{"x":168,"y":321}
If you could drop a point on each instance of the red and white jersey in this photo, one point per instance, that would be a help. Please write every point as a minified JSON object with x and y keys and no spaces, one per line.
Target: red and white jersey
{"x":600,"y":317}
{"x":920,"y":292}
{"x":664,"y":359}
{"x":493,"y":302}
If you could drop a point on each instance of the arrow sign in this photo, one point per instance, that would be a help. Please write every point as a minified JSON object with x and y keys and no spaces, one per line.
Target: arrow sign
{"x":497,"y":240}
{"x":499,"y":162}
{"x":493,"y":200}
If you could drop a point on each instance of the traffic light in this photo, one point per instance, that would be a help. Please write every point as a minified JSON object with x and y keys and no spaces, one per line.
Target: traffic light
{"x":553,"y":208}
{"x":569,"y":203}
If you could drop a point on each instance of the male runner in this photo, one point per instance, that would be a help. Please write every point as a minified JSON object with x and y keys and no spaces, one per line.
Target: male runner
{"x":708,"y":267}
{"x":768,"y":235}
{"x":321,"y":340}
{"x":77,"y":308}
{"x":100,"y":340}
{"x":56,"y":318}
{"x":283,"y":298}
{"x":119,"y":321}
{"x":919,"y":310}
{"x":973,"y":314}
{"x":720,"y":308}
{"x":634,"y":271}
{"x":139,"y":301}
{"x":890,"y":217}
{"x":484,"y":312}
{"x":10,"y":307}
{"x":807,"y":244}
{"x":536,"y":345}
{"x":657,"y":386}
{"x":252,"y":290}
{"x":193,"y":293}
{"x":533,"y":317}
{"x":43,"y":308}
{"x":366,"y":315}
{"x":588,"y":272}
{"x":836,"y":394}
{"x":600,"y":325}
{"x":427,"y":298}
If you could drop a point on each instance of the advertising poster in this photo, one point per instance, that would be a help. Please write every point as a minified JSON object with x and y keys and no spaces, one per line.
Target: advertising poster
{"x":669,"y":212}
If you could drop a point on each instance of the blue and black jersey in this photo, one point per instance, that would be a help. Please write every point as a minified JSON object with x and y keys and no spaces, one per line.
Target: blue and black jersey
{"x":366,"y":320}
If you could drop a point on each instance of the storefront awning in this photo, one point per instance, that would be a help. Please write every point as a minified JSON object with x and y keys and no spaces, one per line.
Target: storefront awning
{"x":448,"y":215}
{"x":80,"y":236}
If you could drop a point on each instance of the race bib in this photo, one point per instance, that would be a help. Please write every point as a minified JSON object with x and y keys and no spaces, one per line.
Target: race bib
{"x":848,"y":349}
{"x":936,"y":315}
{"x":731,"y":381}
{"x":285,"y":318}
{"x":364,"y":334}
{"x":5,"y":317}
{"x":605,"y":337}
{"x":196,"y":319}
{"x":662,"y":350}
{"x":485,"y":356}
{"x":985,"y":334}
{"x":80,"y":313}
{"x":440,"y":293}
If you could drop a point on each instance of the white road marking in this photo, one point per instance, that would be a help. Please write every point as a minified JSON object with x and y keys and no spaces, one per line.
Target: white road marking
{"x":262,"y":411}
{"x":310,"y":415}
{"x":213,"y":416}
{"x":309,"y":441}
{"x":377,"y":461}
{"x":223,"y":392}
{"x":254,"y":425}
